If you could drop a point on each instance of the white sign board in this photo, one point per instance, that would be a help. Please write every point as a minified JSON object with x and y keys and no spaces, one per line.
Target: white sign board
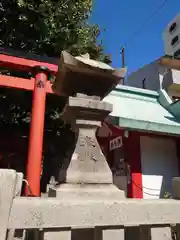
{"x":115,"y":143}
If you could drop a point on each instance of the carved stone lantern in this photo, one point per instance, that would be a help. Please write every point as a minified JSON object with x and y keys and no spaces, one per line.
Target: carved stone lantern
{"x":88,"y":81}
{"x":85,"y":83}
{"x":83,"y":75}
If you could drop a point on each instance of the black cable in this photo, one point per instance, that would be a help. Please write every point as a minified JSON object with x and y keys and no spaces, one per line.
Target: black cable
{"x":29,"y":188}
{"x":153,"y":195}
{"x":145,"y":23}
{"x":152,"y":189}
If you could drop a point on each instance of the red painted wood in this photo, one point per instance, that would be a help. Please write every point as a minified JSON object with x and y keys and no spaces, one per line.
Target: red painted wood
{"x":133,"y":156}
{"x":18,"y":63}
{"x":132,"y":151}
{"x":22,"y":83}
{"x":34,"y":162}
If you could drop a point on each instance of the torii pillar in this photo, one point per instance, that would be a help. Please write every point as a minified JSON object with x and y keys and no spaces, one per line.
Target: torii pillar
{"x":34,"y":163}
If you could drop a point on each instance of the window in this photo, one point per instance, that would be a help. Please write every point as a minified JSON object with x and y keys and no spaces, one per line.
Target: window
{"x":177,"y":53}
{"x":174,"y":40}
{"x":172,"y":27}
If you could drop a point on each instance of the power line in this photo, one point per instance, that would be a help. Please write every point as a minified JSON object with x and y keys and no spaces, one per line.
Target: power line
{"x":145,"y":23}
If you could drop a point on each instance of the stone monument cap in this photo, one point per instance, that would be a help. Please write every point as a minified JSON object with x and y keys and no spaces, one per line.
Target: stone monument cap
{"x":83,"y":75}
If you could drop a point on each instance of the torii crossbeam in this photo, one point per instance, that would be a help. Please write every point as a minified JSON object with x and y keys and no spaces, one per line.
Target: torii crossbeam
{"x":40,"y":87}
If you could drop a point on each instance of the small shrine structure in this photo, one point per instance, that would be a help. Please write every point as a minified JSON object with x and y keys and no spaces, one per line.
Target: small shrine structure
{"x":145,"y":138}
{"x":162,"y":75}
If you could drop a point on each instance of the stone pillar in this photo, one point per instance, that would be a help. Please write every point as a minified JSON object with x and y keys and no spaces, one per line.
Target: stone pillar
{"x":9,"y":186}
{"x":86,"y":175}
{"x":88,"y":164}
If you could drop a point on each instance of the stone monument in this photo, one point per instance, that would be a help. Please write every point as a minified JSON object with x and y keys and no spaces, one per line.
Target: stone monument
{"x":86,"y":175}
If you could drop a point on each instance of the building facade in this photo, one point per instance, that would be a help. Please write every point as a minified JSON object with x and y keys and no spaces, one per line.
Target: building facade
{"x":171,"y":37}
{"x":142,"y":149}
{"x":154,"y":76}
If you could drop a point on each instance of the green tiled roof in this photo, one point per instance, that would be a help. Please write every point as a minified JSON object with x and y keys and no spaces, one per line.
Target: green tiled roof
{"x":140,"y":109}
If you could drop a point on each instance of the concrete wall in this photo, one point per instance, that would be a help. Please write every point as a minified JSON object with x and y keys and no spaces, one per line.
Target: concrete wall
{"x":159,"y":165}
{"x":151,"y":75}
{"x":171,"y":83}
{"x":156,"y":77}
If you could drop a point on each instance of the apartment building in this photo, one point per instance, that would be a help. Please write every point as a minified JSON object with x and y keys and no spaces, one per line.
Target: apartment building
{"x":156,"y":75}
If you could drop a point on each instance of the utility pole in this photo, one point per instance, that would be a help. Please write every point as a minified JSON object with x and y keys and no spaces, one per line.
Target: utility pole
{"x":144,"y":83}
{"x":123,"y":56}
{"x":123,"y":59}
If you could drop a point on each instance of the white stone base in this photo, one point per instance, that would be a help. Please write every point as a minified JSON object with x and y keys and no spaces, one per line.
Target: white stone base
{"x":86,"y":192}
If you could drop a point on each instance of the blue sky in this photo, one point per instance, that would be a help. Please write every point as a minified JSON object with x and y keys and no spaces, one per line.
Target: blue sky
{"x":121,"y":18}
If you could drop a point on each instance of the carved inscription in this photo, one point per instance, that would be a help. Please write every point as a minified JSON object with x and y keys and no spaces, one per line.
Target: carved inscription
{"x":88,"y":148}
{"x":40,"y":84}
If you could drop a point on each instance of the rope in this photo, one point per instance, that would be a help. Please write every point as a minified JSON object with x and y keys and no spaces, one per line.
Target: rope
{"x":150,"y":194}
{"x":28,"y":186}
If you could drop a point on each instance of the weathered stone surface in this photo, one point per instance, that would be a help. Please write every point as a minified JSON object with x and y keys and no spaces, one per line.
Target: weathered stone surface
{"x":7,"y":192}
{"x":19,"y":182}
{"x":81,"y":95}
{"x":88,"y":164}
{"x":85,"y":192}
{"x":53,"y":212}
{"x":18,"y":188}
{"x":161,"y":233}
{"x":85,"y":109}
{"x":117,"y":234}
{"x":63,"y":235}
{"x":87,"y":76}
{"x":90,"y":103}
{"x":86,"y":176}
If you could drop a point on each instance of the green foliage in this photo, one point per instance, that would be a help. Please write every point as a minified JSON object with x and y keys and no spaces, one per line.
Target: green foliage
{"x":44,"y":27}
{"x":48,"y":26}
{"x":167,"y":195}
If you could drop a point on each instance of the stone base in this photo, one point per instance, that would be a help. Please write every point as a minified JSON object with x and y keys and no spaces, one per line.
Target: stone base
{"x":86,"y":192}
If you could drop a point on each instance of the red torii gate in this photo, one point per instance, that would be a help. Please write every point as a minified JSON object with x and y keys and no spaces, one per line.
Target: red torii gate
{"x":40,"y":87}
